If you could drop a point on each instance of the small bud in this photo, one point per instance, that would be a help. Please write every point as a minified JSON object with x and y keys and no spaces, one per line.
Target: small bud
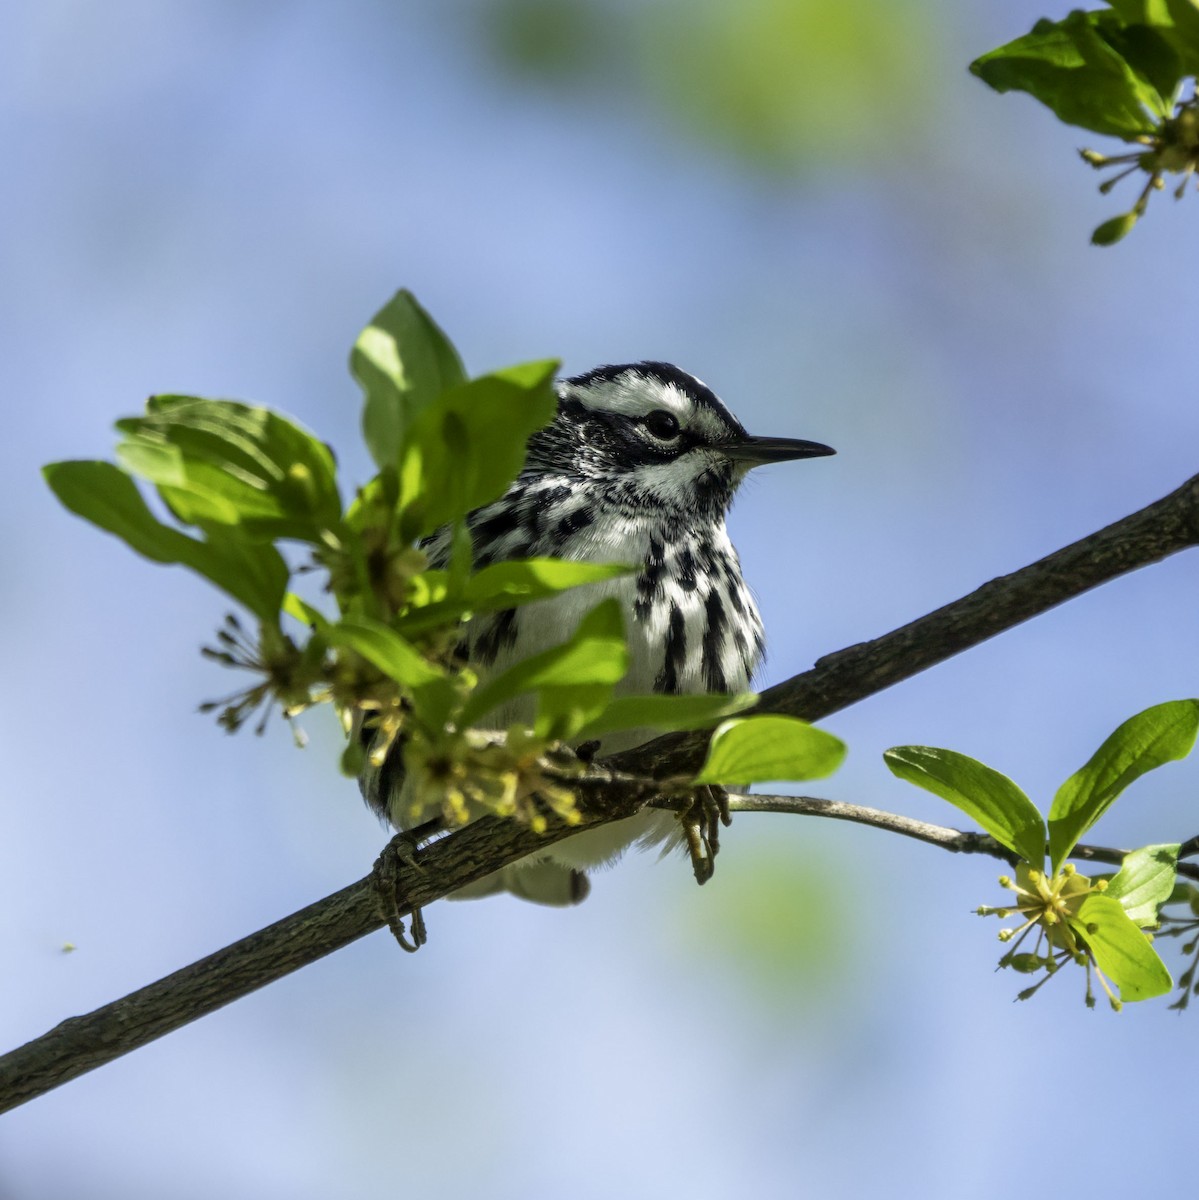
{"x":1113,"y":230}
{"x":1068,"y":870}
{"x":1100,"y":885}
{"x":1005,"y":881}
{"x":1006,"y":935}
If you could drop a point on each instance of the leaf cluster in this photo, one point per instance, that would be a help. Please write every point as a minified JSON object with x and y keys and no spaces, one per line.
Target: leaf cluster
{"x":1098,"y":922}
{"x":1122,"y":72}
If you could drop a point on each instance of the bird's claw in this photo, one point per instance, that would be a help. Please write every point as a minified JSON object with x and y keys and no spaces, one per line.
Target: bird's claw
{"x":701,"y":820}
{"x":398,"y":855}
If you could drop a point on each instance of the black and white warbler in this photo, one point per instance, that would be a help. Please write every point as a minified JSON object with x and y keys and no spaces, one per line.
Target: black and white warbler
{"x":639,"y":466}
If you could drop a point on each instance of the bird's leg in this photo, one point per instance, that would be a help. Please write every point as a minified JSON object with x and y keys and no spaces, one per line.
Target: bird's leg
{"x":398,"y":854}
{"x":701,"y":820}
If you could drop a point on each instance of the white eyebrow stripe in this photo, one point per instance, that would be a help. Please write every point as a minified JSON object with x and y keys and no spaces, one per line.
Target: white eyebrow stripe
{"x":635,"y":396}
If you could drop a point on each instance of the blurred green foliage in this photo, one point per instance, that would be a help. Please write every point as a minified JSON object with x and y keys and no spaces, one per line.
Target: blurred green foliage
{"x":782,"y":919}
{"x":779,"y":84}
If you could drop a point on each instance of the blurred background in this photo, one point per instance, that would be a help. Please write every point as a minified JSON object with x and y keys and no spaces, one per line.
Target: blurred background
{"x":813,"y":207}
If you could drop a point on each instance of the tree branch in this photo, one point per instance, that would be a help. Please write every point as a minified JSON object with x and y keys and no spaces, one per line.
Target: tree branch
{"x":609,"y":792}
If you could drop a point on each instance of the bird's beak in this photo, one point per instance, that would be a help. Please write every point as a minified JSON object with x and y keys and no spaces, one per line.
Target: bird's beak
{"x":753,"y":451}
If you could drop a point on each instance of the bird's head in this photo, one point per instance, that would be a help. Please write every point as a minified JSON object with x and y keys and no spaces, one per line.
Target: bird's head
{"x":651,"y":438}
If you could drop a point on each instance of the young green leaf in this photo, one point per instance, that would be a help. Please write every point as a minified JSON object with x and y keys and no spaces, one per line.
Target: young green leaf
{"x":381,"y":646}
{"x":667,"y":714}
{"x":1177,"y":21}
{"x":254,"y":574}
{"x":1144,"y":882}
{"x":1073,"y":69}
{"x":103,"y":494}
{"x":464,"y":450}
{"x":304,"y":612}
{"x":749,"y":750}
{"x":499,"y":586}
{"x":992,"y":799}
{"x":1161,"y":734}
{"x":519,"y":581}
{"x":434,"y":694}
{"x":1122,"y":952}
{"x":218,"y":461}
{"x":403,"y":362}
{"x":595,"y":655}
{"x":563,"y":711}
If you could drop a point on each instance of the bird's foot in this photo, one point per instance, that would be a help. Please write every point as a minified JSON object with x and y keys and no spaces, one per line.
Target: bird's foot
{"x":701,"y":820}
{"x":387,"y":874}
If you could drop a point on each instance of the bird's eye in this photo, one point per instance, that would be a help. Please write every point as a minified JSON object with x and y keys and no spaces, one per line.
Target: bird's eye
{"x":662,"y":424}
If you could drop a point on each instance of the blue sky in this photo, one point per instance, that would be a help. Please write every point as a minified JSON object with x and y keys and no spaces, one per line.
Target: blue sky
{"x":213,"y":198}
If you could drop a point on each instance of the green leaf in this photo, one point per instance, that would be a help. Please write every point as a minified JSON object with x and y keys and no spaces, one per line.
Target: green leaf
{"x":465,"y":449}
{"x":992,"y":799}
{"x":563,"y":711}
{"x":304,"y":612}
{"x":499,"y":586}
{"x":1161,"y":734}
{"x":435,"y":696}
{"x":1175,"y":20}
{"x":596,"y":655}
{"x":253,"y":574}
{"x":381,"y":646}
{"x":667,"y":714}
{"x":221,"y":462}
{"x":1153,"y":56}
{"x":403,"y":362}
{"x":519,"y":581}
{"x":1122,"y":952}
{"x":1072,"y":68}
{"x":1144,"y":882}
{"x":759,"y":749}
{"x":103,"y":494}
{"x":1184,"y":14}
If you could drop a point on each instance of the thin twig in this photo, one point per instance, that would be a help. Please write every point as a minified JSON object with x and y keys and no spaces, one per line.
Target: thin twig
{"x":957,"y":841}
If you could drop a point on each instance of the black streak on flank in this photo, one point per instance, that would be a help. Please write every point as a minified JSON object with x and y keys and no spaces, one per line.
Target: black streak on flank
{"x":714,"y":634}
{"x":676,"y":653}
{"x":685,"y":575}
{"x":572,"y":524}
{"x":499,"y":634}
{"x":505,"y":520}
{"x":649,"y":582}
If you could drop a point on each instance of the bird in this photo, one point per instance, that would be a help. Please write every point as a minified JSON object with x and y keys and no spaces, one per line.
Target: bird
{"x":639,"y":466}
